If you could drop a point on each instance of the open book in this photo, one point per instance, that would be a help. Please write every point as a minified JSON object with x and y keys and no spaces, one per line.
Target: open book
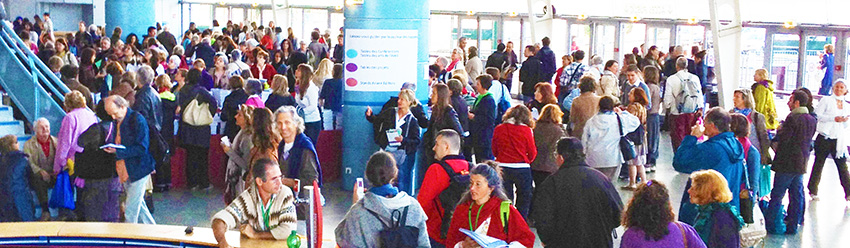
{"x":483,"y":240}
{"x":110,"y":145}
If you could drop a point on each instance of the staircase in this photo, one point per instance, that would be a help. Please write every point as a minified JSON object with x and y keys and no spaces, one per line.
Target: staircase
{"x":8,"y":125}
{"x":32,"y":89}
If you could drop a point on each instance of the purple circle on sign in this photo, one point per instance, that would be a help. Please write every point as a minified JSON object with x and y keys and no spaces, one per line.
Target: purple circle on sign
{"x":351,"y":67}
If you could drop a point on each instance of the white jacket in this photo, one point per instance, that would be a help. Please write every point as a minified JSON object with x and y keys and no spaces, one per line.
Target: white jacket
{"x":310,"y":104}
{"x":674,"y":90}
{"x":601,"y":139}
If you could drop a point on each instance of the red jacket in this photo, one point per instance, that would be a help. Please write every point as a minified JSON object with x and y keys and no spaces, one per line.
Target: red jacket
{"x":436,"y":180}
{"x":267,"y":73}
{"x":517,"y":228}
{"x":513,"y":144}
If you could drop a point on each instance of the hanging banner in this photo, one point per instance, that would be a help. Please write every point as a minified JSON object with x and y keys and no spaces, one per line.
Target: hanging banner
{"x":379,"y":59}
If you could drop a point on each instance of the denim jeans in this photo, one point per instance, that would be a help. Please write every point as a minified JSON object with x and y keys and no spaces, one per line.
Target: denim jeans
{"x":521,"y":179}
{"x":653,"y":124}
{"x":793,"y":183}
{"x":331,"y":120}
{"x":135,"y":204}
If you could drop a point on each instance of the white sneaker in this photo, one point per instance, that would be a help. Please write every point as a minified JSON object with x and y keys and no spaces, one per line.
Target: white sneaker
{"x":814,"y":197}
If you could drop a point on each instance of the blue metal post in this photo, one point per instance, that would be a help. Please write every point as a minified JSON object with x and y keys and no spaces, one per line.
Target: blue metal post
{"x":357,"y":138}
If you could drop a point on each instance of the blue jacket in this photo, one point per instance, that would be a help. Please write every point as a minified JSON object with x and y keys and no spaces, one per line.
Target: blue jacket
{"x":722,"y":153}
{"x":482,"y":125}
{"x":135,"y":136}
{"x":753,"y":169}
{"x":547,"y":60}
{"x":149,"y":105}
{"x":16,"y":202}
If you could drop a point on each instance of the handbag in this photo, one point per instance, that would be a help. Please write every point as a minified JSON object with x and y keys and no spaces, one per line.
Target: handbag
{"x":627,"y":148}
{"x":197,"y":113}
{"x":754,"y":233}
{"x":63,"y":193}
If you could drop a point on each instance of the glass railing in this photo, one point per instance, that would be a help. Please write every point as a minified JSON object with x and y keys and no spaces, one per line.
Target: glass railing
{"x":35,"y":91}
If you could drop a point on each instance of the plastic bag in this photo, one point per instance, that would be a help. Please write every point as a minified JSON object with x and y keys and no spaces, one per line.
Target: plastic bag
{"x":63,"y":192}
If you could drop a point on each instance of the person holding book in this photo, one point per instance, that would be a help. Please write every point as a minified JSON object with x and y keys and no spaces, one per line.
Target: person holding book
{"x":486,"y":210}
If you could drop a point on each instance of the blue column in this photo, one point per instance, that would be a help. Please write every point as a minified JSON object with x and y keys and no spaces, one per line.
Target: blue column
{"x":357,"y":139}
{"x":133,"y":16}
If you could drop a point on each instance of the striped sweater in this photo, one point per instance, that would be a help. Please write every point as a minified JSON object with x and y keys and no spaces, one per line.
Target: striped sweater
{"x":247,"y":207}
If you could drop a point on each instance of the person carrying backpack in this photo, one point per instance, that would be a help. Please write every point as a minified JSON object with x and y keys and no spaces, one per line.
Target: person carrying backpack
{"x":444,"y":189}
{"x":385,"y":217}
{"x":683,"y":101}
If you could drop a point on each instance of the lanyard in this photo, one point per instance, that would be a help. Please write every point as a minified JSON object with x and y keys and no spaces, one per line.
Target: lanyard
{"x":266,"y":211}
{"x":471,"y":227}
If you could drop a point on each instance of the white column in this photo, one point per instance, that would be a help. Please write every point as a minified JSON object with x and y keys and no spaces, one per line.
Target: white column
{"x":727,"y":49}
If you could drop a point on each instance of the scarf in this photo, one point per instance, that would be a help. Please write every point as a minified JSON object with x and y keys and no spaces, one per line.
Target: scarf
{"x":301,"y":142}
{"x":746,"y":112}
{"x":705,"y":222}
{"x":387,"y":190}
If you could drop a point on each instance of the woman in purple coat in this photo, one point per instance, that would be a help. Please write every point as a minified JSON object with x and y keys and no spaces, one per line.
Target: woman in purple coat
{"x":650,"y":222}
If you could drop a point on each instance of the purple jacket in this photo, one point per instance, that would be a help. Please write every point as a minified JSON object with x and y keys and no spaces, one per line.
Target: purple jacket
{"x":75,"y":123}
{"x":634,"y":237}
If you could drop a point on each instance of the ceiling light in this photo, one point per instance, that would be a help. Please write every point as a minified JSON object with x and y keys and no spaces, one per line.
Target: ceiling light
{"x":582,"y":17}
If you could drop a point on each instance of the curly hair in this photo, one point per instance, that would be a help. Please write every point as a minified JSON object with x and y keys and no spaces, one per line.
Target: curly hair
{"x":709,"y":186}
{"x":520,"y":114}
{"x":649,"y":210}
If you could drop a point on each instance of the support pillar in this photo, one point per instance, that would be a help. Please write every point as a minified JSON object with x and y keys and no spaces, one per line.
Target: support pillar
{"x":379,"y":18}
{"x":727,"y":49}
{"x":133,"y":16}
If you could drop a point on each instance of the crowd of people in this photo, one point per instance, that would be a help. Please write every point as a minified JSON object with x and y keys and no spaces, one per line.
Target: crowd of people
{"x":579,"y":127}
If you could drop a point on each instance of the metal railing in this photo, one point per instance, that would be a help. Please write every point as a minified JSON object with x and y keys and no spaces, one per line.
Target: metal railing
{"x":33,"y":88}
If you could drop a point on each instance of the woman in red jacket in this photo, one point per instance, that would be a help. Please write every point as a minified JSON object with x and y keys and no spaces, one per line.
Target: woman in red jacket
{"x":480,"y":211}
{"x":263,"y":69}
{"x":514,"y":148}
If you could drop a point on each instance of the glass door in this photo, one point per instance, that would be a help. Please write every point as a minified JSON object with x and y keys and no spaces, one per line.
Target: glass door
{"x":443,"y":34}
{"x":603,"y":41}
{"x":632,"y":35}
{"x":784,"y":59}
{"x":489,"y":41}
{"x":579,"y":38}
{"x":752,"y":53}
{"x":815,"y":69}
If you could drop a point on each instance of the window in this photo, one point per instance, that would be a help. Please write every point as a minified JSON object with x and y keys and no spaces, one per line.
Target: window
{"x":268,"y":16}
{"x":488,"y":38}
{"x":688,"y":36}
{"x":559,"y":38}
{"x":814,"y":51}
{"x":202,"y":15}
{"x":222,"y":14}
{"x":442,"y":34}
{"x":659,"y":37}
{"x":237,"y":15}
{"x":752,"y":53}
{"x":580,"y":39}
{"x":631,"y":35}
{"x":469,"y":29}
{"x":511,"y":32}
{"x":784,"y":61}
{"x":314,"y":18}
{"x":603,"y":44}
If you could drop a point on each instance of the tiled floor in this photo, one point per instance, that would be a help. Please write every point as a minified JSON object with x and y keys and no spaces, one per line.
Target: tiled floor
{"x":827,"y":220}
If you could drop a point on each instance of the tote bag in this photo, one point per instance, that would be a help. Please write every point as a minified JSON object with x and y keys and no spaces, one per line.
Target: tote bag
{"x":63,"y":193}
{"x":197,"y":114}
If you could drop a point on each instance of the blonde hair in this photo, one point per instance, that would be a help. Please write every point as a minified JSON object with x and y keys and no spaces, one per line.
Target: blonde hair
{"x":409,"y":96}
{"x":762,"y":73}
{"x":551,"y":113}
{"x":163,"y":81}
{"x":280,"y":85}
{"x":323,"y":71}
{"x":709,"y":186}
{"x":247,"y":112}
{"x":460,"y":74}
{"x":74,"y":100}
{"x":829,"y":48}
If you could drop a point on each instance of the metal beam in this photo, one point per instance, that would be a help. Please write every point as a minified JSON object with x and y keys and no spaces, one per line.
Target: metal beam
{"x":727,"y":50}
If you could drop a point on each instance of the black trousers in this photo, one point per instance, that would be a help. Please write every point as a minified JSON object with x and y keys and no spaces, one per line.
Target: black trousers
{"x":824,"y":148}
{"x":162,"y":178}
{"x":197,"y":166}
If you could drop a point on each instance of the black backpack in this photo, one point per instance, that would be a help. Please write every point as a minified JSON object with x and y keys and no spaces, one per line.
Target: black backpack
{"x":458,"y":184}
{"x":397,"y":234}
{"x":637,"y":135}
{"x":157,"y":146}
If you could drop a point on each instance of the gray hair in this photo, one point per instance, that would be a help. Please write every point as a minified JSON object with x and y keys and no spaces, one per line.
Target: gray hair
{"x":145,"y":74}
{"x":720,"y":118}
{"x":681,"y":63}
{"x":596,"y":60}
{"x":442,"y":61}
{"x":118,"y":101}
{"x":299,"y":122}
{"x":679,"y":50}
{"x":41,"y":120}
{"x":178,"y":50}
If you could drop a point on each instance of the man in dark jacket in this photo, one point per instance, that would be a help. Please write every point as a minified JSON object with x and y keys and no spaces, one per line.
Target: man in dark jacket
{"x":482,"y":119}
{"x":69,"y":77}
{"x":134,"y":161}
{"x":204,"y":51}
{"x":793,"y":146}
{"x":547,"y":60}
{"x":577,"y":206}
{"x":167,"y":39}
{"x":297,"y":58}
{"x":498,"y":59}
{"x":147,"y":101}
{"x":530,"y":74}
